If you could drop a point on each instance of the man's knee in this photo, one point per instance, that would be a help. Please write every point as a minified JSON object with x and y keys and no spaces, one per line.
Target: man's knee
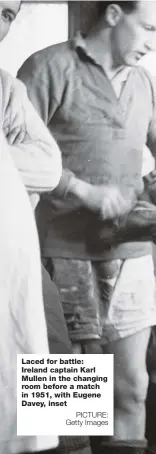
{"x":132,"y":390}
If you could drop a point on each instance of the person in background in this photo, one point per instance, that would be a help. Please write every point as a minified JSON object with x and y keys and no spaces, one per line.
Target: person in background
{"x":20,"y":269}
{"x":37,"y":157}
{"x":22,"y":319}
{"x":100,"y":106}
{"x":29,"y":155}
{"x":35,"y":153}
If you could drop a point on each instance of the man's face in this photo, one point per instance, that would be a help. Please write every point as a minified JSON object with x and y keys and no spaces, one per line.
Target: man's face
{"x":134,"y":34}
{"x":8,"y":12}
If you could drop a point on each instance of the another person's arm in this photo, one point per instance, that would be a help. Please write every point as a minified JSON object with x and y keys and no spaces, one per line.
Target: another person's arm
{"x":34,"y":151}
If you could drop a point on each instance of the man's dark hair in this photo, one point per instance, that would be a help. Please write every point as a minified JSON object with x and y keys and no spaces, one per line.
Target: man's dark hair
{"x":128,"y":7}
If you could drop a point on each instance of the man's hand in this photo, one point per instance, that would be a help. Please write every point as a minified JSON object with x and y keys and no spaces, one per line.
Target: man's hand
{"x":106,"y":201}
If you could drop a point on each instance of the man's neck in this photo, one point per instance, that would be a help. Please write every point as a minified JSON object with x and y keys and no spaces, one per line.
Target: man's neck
{"x":98,"y":44}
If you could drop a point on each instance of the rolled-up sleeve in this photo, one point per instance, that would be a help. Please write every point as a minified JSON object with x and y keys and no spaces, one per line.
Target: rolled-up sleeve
{"x":34,"y":151}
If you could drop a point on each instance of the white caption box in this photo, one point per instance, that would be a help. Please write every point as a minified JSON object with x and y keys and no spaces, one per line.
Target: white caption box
{"x":65,"y":394}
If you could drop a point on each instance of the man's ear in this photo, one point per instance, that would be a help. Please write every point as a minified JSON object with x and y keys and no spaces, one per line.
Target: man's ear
{"x":113,"y":14}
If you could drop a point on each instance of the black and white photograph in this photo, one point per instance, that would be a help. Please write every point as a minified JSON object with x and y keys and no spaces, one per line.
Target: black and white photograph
{"x":78,"y":207}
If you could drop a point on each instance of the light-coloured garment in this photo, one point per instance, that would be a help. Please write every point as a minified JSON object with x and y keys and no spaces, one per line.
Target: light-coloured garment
{"x":22,"y":320}
{"x":133,"y":303}
{"x":119,"y":79}
{"x":148,"y":163}
{"x":34,"y":151}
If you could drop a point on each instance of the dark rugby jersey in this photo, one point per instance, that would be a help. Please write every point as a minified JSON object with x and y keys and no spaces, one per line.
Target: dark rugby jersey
{"x":101,"y":138}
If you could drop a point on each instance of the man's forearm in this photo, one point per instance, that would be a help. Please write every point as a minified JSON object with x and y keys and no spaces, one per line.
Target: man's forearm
{"x":34,"y":151}
{"x":40,"y":171}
